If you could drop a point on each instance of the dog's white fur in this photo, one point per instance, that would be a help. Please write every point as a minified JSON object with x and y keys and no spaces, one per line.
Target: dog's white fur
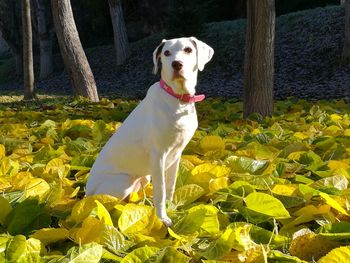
{"x":152,"y":138}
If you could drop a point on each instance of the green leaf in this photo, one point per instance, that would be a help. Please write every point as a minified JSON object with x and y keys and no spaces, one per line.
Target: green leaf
{"x":276,"y":256}
{"x":246,"y":165}
{"x":264,"y":206}
{"x":6,"y":208}
{"x":168,"y":254}
{"x":210,"y":225}
{"x":16,"y":248}
{"x":191,"y":222}
{"x":23,"y":218}
{"x":236,"y":237}
{"x":140,"y":255}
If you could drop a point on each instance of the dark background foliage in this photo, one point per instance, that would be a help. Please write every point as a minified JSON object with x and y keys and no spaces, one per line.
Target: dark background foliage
{"x":178,"y":17}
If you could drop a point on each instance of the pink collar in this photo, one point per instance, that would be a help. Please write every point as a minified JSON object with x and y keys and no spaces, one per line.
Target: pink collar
{"x":183,"y":97}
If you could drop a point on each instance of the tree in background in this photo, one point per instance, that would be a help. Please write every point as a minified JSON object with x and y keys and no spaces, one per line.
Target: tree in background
{"x":72,"y":52}
{"x":28,"y":68}
{"x":46,"y":34}
{"x":10,"y":27}
{"x":121,"y":44}
{"x":259,"y":58}
{"x":346,"y":48}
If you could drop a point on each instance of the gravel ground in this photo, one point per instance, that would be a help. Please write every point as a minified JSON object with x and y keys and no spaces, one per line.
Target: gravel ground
{"x":307,"y":65}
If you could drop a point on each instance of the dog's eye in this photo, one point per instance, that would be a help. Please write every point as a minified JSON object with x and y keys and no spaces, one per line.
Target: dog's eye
{"x":188,"y":50}
{"x":167,"y":53}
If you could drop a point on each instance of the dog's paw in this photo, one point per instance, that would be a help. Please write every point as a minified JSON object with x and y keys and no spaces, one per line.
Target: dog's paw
{"x":167,"y":221}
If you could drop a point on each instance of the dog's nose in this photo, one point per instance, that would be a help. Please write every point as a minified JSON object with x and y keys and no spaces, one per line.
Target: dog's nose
{"x":177,"y":65}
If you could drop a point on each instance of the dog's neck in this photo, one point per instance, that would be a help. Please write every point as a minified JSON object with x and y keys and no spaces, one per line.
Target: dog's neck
{"x":182,"y":97}
{"x":180,"y":85}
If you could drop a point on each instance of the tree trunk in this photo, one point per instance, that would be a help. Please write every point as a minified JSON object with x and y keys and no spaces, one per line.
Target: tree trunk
{"x":346,"y":48}
{"x":74,"y":58}
{"x":121,"y":44}
{"x":28,"y":69}
{"x":45,"y":39}
{"x":259,"y":58}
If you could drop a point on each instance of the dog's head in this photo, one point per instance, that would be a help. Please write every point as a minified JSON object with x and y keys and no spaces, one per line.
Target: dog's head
{"x":181,"y":58}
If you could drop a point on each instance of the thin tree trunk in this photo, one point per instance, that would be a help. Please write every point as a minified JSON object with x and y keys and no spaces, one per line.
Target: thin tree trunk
{"x":121,"y":44}
{"x":28,"y":69}
{"x":346,"y":48}
{"x":259,"y":58}
{"x":74,"y":58}
{"x":45,"y":39}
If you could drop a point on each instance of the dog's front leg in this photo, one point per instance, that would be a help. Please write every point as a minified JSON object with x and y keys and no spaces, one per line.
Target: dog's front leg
{"x":158,"y":180}
{"x":171,"y":175}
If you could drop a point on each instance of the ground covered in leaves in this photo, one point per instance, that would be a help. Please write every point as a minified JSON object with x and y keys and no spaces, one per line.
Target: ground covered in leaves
{"x":260,"y":190}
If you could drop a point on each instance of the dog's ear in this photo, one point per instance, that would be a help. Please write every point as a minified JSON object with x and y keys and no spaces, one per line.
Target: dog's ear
{"x":156,"y":56}
{"x":204,"y":53}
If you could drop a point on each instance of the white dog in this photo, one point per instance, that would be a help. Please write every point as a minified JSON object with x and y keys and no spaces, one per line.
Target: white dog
{"x":152,"y":138}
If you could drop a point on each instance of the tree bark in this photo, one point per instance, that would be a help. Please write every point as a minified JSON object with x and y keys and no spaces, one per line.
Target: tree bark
{"x":121,"y":44}
{"x":45,"y":39}
{"x":28,"y":68}
{"x":346,"y":48}
{"x":74,"y":58}
{"x":259,"y":58}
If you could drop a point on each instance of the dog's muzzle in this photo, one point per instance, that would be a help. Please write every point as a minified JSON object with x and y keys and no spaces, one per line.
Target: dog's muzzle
{"x":177,"y":65}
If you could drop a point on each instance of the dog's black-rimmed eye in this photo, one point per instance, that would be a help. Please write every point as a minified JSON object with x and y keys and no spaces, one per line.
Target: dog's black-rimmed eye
{"x":167,"y":53}
{"x":188,"y":50}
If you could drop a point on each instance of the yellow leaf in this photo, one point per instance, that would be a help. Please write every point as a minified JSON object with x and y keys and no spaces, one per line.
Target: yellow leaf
{"x":332,"y":203}
{"x":311,"y":246}
{"x":295,"y":155}
{"x":83,"y":208}
{"x":217,"y":170}
{"x":21,"y":180}
{"x":6,"y":208}
{"x":337,"y":255}
{"x":5,"y":184}
{"x":56,"y":167}
{"x":2,"y":151}
{"x":347,"y":132}
{"x":285,"y":189}
{"x":193,"y":159}
{"x":201,"y":179}
{"x":211,"y":143}
{"x":336,"y":117}
{"x":36,"y":187}
{"x":139,"y":219}
{"x":335,"y":164}
{"x":301,"y":135}
{"x":47,"y":140}
{"x":103,"y":214}
{"x":217,"y":184}
{"x":255,"y":131}
{"x":313,"y":210}
{"x":90,"y":231}
{"x":51,"y":235}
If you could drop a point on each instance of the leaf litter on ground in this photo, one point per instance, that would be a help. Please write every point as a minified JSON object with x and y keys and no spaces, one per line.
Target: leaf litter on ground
{"x":256,"y":190}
